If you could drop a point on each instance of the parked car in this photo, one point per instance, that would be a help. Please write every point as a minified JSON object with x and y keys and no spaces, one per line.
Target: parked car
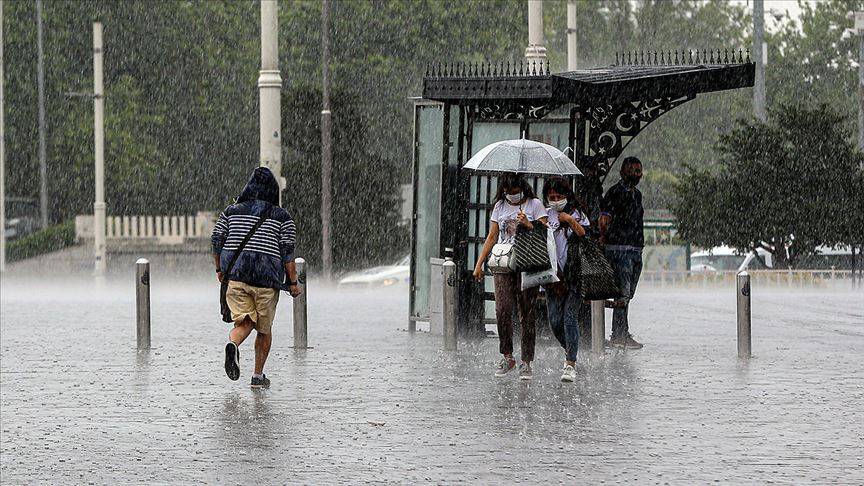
{"x":22,"y":217}
{"x":381,"y":276}
{"x":724,"y":258}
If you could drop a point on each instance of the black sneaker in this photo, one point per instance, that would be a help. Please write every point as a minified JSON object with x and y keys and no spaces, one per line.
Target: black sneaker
{"x":262,"y":382}
{"x":232,"y":361}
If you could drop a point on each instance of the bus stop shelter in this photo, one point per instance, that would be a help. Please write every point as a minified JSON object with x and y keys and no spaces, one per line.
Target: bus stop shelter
{"x":590,"y":114}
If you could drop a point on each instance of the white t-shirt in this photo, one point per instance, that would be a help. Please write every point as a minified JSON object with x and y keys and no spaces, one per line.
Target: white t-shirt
{"x":561,"y":232}
{"x":505,"y":214}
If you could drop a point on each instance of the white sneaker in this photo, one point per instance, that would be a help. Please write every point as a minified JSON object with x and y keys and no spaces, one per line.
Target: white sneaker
{"x":504,"y":367}
{"x":568,"y":374}
{"x":525,"y":372}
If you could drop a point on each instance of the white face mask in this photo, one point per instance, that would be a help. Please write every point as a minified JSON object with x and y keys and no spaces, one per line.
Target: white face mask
{"x":558,"y":205}
{"x":514,"y":198}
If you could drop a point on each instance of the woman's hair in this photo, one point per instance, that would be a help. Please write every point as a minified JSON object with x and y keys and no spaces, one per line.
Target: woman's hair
{"x":510,"y":180}
{"x":562,"y":186}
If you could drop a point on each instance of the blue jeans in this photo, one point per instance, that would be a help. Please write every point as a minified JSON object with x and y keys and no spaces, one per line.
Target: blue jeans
{"x":562,"y":306}
{"x":628,"y":267}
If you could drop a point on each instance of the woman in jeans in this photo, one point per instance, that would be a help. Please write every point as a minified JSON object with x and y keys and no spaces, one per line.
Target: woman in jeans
{"x":516,"y":208}
{"x":563,"y":299}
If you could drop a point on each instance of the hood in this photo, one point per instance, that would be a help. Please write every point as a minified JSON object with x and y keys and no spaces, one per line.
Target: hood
{"x":261,"y":186}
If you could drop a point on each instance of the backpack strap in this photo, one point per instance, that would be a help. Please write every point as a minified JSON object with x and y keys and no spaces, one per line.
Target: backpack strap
{"x":246,"y":239}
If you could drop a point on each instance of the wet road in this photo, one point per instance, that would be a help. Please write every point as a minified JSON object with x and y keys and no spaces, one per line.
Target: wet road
{"x":372,"y":403}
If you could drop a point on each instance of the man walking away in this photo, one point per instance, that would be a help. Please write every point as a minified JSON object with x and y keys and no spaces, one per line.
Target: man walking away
{"x":258,"y":274}
{"x":621,"y":232}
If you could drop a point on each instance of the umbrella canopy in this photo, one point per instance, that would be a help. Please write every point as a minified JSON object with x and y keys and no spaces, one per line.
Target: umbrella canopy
{"x":524,"y":157}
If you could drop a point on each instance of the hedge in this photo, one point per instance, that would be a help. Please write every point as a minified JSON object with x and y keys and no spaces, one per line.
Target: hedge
{"x":47,"y":240}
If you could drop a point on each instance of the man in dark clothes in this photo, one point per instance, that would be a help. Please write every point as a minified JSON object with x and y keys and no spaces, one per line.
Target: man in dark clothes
{"x":621,"y":233}
{"x":260,"y":269}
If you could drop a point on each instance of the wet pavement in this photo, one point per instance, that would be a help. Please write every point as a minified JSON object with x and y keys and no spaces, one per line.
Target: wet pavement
{"x":373,"y":403}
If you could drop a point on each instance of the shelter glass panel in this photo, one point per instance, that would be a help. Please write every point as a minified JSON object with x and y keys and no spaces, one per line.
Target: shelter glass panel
{"x":555,"y":134}
{"x":429,"y":139}
{"x":482,"y":195}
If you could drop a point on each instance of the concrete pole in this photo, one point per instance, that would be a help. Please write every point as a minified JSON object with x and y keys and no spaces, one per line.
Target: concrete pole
{"x":758,"y":55}
{"x":450,"y":308}
{"x":743,"y":305}
{"x":2,"y":154}
{"x":598,"y":327}
{"x":860,"y":84}
{"x":142,"y":303}
{"x":571,"y":35}
{"x":326,"y":146}
{"x":99,"y":152}
{"x":536,"y":51}
{"x":40,"y":80}
{"x":301,"y":327}
{"x":270,"y":93}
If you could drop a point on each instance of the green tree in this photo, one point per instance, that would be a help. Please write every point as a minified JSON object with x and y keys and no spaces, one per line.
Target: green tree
{"x":788,"y":185}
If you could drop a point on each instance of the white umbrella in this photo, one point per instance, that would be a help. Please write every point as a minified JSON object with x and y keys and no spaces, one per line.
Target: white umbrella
{"x":524,"y":157}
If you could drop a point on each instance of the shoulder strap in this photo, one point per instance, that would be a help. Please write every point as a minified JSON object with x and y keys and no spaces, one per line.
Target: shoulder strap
{"x":246,"y":239}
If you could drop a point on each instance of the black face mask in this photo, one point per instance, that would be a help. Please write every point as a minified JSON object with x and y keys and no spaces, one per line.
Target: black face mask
{"x":632,"y":181}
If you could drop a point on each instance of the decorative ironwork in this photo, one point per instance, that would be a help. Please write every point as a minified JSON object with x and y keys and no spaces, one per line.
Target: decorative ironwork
{"x":609,"y":128}
{"x":488,"y":69}
{"x":681,"y":58}
{"x":514,"y":110}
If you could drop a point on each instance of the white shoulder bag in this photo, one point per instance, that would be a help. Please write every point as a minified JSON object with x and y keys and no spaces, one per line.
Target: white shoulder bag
{"x":501,"y":258}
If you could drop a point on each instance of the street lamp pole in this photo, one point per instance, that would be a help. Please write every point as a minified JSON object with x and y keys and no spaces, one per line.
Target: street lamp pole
{"x":326,"y":145}
{"x":99,"y":152}
{"x":571,"y":35}
{"x":536,"y":51}
{"x":2,"y":155}
{"x":270,"y":93}
{"x":859,"y":29}
{"x":758,"y":46}
{"x":40,"y":80}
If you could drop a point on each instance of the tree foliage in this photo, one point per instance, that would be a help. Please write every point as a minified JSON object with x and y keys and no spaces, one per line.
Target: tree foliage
{"x":788,"y":185}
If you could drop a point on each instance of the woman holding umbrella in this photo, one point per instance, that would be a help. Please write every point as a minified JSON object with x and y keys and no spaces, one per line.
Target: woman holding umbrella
{"x":515,"y":207}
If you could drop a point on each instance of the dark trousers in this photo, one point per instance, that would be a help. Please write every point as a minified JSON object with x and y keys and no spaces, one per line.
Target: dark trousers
{"x":508,"y":294}
{"x":562,"y":307}
{"x":628,"y":267}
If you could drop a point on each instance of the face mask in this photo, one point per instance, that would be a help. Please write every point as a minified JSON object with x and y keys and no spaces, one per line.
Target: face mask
{"x":558,"y":205}
{"x":633,"y":181}
{"x":514,"y":198}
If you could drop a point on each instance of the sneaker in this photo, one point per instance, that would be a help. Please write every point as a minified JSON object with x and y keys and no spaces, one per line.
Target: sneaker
{"x":626,"y":342}
{"x":525,"y":372}
{"x":631,"y":343}
{"x":568,"y":374}
{"x":504,"y":366}
{"x":232,"y":361}
{"x":262,"y":382}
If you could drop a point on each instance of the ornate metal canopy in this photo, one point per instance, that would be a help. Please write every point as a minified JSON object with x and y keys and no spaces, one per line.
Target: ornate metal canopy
{"x":611,"y":105}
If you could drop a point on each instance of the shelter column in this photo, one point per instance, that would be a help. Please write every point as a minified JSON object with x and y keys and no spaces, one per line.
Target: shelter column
{"x":269,"y":93}
{"x":536,"y":51}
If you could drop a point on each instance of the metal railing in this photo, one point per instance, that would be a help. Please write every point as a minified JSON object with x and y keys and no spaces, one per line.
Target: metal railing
{"x":766,"y":278}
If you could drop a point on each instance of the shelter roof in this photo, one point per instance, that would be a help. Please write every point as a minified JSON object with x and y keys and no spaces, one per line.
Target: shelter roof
{"x":626,"y":80}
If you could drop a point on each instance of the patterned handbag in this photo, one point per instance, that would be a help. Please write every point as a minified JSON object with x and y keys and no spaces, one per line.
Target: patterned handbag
{"x":530,"y":251}
{"x":596,"y":276}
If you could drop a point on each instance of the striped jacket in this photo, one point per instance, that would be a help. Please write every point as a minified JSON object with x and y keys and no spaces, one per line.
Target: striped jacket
{"x":261,"y":263}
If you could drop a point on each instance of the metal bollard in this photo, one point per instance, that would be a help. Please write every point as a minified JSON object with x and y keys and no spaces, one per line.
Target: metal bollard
{"x":142,"y":302}
{"x":450,"y":308}
{"x":300,"y":326}
{"x":598,"y":327}
{"x":743,"y":280}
